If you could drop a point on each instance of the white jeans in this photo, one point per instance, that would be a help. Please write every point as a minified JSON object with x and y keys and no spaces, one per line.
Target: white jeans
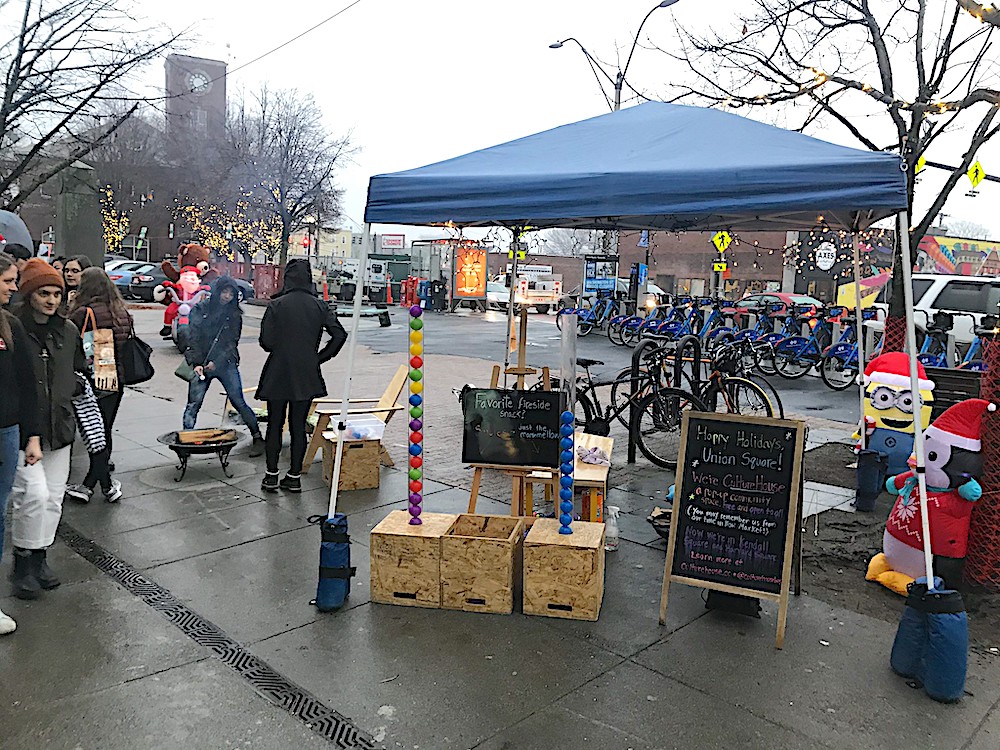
{"x":37,"y":499}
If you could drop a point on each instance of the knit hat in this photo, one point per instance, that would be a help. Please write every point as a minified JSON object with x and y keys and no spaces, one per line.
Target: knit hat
{"x":36,"y":274}
{"x":894,"y":369}
{"x":959,"y":425}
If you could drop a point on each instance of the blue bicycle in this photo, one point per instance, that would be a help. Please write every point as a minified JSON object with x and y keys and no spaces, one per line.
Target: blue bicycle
{"x":597,"y":316}
{"x":796,"y":355}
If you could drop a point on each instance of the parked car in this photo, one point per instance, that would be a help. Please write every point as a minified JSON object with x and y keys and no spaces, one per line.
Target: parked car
{"x":766,"y":299}
{"x":143,"y":284}
{"x":111,"y":258}
{"x":965,"y":297}
{"x":122,"y":275}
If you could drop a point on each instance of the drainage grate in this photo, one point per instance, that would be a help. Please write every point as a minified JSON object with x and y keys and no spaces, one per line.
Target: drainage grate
{"x":262,"y":677}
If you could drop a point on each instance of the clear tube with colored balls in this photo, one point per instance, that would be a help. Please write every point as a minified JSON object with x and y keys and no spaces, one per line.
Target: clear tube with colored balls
{"x":416,"y":450}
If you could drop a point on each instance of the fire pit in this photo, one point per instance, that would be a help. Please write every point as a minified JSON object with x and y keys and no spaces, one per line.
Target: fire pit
{"x":200,"y":442}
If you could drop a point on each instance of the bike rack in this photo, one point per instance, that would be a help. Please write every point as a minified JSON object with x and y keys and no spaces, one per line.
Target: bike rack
{"x":694,"y":342}
{"x":642,"y":347}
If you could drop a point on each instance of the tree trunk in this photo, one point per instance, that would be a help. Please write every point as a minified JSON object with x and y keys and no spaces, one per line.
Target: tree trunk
{"x":286,"y":233}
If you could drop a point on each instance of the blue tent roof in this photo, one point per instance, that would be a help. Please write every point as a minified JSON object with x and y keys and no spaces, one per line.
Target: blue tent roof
{"x":654,"y":166}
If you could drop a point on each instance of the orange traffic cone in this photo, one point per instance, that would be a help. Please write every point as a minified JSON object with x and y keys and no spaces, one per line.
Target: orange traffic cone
{"x":388,"y":292}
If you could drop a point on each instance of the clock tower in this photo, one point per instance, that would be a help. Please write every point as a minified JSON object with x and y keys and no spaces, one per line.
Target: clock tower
{"x":196,"y":99}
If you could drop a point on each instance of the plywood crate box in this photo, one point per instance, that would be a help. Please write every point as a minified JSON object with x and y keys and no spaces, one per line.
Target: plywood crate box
{"x":360,"y":467}
{"x":480,"y":563}
{"x":406,"y":560}
{"x":564,"y":573}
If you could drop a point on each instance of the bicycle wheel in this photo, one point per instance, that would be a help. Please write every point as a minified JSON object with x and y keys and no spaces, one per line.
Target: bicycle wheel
{"x":622,"y":391}
{"x":584,"y":409}
{"x":765,"y":357}
{"x":838,"y":370}
{"x":630,"y":336}
{"x":615,"y":333}
{"x":744,"y":397}
{"x":790,"y":358}
{"x":657,"y":426}
{"x":772,"y":394}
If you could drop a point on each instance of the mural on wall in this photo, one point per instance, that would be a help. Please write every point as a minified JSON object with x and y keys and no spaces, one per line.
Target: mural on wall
{"x":941,"y":254}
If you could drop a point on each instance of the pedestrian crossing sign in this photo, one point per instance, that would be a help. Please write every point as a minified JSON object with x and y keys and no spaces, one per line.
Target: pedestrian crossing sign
{"x":720,"y":266}
{"x":722,"y":241}
{"x":976,"y":174}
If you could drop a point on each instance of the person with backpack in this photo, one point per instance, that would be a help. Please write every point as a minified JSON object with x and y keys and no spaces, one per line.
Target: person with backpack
{"x":216,"y":325}
{"x":290,"y":333}
{"x":98,"y":305}
{"x":55,"y":349}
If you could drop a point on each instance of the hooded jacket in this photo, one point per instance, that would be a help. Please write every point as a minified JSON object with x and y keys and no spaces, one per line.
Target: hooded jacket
{"x":290,"y":333}
{"x":209,"y":319}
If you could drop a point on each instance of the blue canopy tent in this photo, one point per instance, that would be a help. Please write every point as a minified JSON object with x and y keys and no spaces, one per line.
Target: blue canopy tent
{"x":655,"y":166}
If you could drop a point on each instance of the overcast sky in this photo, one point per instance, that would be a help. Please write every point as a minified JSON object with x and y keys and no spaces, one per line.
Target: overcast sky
{"x":418,"y":82}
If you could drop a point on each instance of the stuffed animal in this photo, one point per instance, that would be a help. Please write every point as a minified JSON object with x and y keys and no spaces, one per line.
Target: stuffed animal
{"x":953,"y":462}
{"x":889,"y":407}
{"x":190,"y":258}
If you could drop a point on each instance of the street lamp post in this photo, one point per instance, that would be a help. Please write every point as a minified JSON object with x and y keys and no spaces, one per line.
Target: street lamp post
{"x":618,"y":82}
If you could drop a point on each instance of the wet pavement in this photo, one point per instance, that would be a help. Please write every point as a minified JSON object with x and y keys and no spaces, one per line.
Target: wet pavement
{"x":184,"y":620}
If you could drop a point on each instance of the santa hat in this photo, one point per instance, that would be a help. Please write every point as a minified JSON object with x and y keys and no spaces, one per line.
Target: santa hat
{"x":894,"y":369}
{"x":959,"y":425}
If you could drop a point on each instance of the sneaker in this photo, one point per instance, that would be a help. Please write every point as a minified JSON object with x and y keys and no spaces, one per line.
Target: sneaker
{"x":292,"y":483}
{"x":270,"y":482}
{"x":166,"y":332}
{"x":113,"y":493}
{"x":257,"y":447}
{"x":7,"y":624}
{"x":79,"y":492}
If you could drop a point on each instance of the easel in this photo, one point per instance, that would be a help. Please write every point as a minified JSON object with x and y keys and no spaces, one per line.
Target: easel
{"x":520,"y":484}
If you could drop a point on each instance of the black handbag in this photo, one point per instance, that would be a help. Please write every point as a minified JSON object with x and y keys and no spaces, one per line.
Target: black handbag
{"x":135,"y":354}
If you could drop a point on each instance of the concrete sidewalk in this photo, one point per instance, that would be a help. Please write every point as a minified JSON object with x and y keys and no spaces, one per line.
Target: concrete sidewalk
{"x":184,"y":621}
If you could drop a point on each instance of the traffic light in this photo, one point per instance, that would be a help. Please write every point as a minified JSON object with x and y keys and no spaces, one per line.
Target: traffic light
{"x":305,"y":241}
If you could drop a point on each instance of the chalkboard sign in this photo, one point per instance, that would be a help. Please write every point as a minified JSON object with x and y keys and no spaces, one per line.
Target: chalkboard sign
{"x":511,"y":428}
{"x":735,"y":505}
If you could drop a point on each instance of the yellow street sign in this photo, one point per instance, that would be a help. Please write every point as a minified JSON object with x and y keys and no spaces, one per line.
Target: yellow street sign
{"x":719,"y":266}
{"x":976,"y":174}
{"x":722,"y":240}
{"x":521,"y":254}
{"x":919,"y":166}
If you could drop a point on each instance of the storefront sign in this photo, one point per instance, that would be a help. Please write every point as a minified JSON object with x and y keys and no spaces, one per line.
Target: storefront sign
{"x":826,"y":256}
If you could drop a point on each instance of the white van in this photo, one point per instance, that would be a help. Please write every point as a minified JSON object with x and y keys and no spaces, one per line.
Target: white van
{"x":960,"y":295}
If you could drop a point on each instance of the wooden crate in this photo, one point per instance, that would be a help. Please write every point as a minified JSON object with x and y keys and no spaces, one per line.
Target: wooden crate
{"x":360,"y":467}
{"x":406,"y":560}
{"x":480,"y":563}
{"x":564,"y":573}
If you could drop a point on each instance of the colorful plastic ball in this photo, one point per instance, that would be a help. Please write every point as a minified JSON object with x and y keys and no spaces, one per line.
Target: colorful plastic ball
{"x":566,"y":507}
{"x":416,"y":375}
{"x":416,"y":437}
{"x":416,"y":473}
{"x":566,"y":430}
{"x":416,"y":324}
{"x":415,"y":511}
{"x":416,"y":462}
{"x":416,"y":349}
{"x":563,"y":481}
{"x":416,"y":450}
{"x":416,"y":485}
{"x":566,"y":468}
{"x":566,"y":493}
{"x":416,"y":424}
{"x":416,"y":311}
{"x":415,"y":497}
{"x":416,"y":386}
{"x":416,"y":400}
{"x":566,"y":417}
{"x":416,"y":412}
{"x":565,"y":519}
{"x":416,"y":337}
{"x":416,"y":362}
{"x":566,"y":456}
{"x":566,"y":443}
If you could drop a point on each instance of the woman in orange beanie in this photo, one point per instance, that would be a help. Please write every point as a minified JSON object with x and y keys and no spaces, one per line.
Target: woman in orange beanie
{"x":56,"y":353}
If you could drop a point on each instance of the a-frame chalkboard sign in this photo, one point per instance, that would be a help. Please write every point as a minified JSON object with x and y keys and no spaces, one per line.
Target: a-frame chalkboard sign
{"x":735,"y":507}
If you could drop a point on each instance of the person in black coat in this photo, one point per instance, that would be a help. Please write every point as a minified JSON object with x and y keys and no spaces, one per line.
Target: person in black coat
{"x":290,"y":333}
{"x":216,"y":325}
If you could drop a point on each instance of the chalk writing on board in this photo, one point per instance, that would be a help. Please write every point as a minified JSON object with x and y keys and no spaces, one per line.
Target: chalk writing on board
{"x":511,"y":428}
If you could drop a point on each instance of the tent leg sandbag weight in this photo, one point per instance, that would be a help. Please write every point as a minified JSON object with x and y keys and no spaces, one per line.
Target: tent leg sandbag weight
{"x":871,"y":473}
{"x":932,"y":641}
{"x":335,"y":571}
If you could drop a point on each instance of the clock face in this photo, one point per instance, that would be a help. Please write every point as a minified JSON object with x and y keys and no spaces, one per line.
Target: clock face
{"x":199,"y":82}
